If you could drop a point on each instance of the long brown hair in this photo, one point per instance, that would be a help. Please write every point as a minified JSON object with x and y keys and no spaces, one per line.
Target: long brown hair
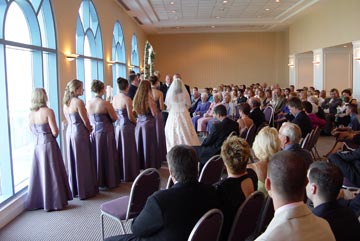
{"x":141,"y":99}
{"x":70,"y":89}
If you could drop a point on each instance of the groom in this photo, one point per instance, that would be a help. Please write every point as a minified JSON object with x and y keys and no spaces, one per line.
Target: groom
{"x":218,"y":133}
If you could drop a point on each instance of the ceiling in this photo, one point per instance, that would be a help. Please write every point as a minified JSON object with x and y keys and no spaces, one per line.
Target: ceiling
{"x":206,"y":16}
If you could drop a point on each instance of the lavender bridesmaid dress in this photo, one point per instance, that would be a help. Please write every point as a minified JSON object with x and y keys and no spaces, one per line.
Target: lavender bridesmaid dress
{"x":160,"y":135}
{"x":81,"y":166}
{"x":145,"y":135}
{"x":104,"y":148}
{"x":126,"y":146}
{"x":48,"y":187}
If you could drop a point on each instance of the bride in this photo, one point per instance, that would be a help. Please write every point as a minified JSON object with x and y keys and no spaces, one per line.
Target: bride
{"x":178,"y":128}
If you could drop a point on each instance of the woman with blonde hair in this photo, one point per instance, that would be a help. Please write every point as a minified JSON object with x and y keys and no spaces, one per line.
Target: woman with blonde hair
{"x":239,"y":184}
{"x":81,"y":165}
{"x":125,"y":132}
{"x":266,"y":144}
{"x":145,"y":130}
{"x":48,"y":186}
{"x":102,"y":116}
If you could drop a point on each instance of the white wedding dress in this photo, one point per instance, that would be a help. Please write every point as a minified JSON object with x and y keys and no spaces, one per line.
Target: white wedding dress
{"x":179,"y":128}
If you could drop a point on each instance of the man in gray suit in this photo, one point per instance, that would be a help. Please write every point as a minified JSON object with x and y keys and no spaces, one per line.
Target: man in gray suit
{"x":293,"y":220}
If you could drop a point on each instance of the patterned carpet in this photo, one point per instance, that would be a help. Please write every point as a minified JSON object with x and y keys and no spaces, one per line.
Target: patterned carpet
{"x":79,"y":221}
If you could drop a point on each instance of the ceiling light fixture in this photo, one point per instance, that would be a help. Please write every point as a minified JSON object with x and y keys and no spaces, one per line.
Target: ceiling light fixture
{"x":217,"y":17}
{"x":172,"y":3}
{"x":225,"y":1}
{"x":212,"y":26}
{"x":267,"y":9}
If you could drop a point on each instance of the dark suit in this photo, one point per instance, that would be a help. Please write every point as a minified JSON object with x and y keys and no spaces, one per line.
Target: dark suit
{"x":303,"y":121}
{"x":132,"y":91}
{"x":342,"y":220}
{"x":305,"y":153}
{"x":164,"y":88}
{"x":171,"y":214}
{"x":218,"y":133}
{"x":257,"y":116}
{"x":349,"y":163}
{"x":194,"y":105}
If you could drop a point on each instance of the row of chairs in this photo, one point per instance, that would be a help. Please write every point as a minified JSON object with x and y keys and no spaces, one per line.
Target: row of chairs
{"x":250,"y":221}
{"x":309,"y":143}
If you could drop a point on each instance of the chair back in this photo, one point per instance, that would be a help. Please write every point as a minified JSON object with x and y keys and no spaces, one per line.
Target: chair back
{"x":314,"y":138}
{"x":267,"y":213}
{"x":250,"y":135}
{"x":169,"y":183}
{"x":246,"y":218}
{"x":306,"y":141}
{"x":145,"y":184}
{"x":208,"y":227}
{"x":269,"y":114}
{"x":212,"y":170}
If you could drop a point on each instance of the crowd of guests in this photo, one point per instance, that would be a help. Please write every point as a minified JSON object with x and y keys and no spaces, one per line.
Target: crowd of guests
{"x":148,"y":123}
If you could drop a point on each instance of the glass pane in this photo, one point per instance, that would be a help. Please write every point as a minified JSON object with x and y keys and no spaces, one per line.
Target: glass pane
{"x":16,"y":26}
{"x":88,"y":79}
{"x":19,"y":86}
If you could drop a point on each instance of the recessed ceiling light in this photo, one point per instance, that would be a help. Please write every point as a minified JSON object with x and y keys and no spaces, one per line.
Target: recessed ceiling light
{"x":172,"y":3}
{"x":173,"y":11}
{"x":267,"y":9}
{"x":345,"y":46}
{"x":212,"y":26}
{"x":217,"y":17}
{"x":277,"y":1}
{"x":225,"y":1}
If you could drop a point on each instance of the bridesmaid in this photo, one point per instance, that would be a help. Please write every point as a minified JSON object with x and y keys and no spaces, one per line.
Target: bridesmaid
{"x":145,"y":131}
{"x":125,"y":133}
{"x":159,"y":122}
{"x":102,"y":116}
{"x":81,"y":167}
{"x":48,"y":187}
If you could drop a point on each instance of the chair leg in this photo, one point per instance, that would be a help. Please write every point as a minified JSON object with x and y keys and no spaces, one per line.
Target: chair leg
{"x":122,"y":227}
{"x":102,"y":226}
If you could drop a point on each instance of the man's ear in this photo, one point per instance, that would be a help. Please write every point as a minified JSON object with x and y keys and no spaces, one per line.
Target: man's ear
{"x":267,"y":184}
{"x":313,"y":188}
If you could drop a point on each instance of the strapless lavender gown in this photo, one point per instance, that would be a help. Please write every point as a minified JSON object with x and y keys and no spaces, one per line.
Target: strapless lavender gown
{"x":160,"y":135}
{"x":145,"y":135}
{"x":104,"y":148}
{"x":48,"y":186}
{"x":81,"y":165}
{"x":126,"y":146}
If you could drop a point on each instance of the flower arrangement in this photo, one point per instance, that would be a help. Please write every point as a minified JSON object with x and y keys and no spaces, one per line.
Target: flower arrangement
{"x":149,"y":60}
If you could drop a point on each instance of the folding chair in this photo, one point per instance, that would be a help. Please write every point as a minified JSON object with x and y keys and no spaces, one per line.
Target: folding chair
{"x":212,"y":170}
{"x":208,"y":228}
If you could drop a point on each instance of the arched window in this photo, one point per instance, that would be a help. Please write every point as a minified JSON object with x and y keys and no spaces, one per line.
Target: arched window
{"x":118,"y":55}
{"x":28,"y":60}
{"x":134,"y":61}
{"x":89,"y":64}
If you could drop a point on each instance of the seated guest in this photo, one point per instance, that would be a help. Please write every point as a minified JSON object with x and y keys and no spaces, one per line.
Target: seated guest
{"x":293,"y":220}
{"x":278,"y":101}
{"x":172,"y":213}
{"x":266,"y":144}
{"x":349,"y":163}
{"x":314,"y":119}
{"x":227,"y":103}
{"x":325,"y":182}
{"x":300,"y":118}
{"x":329,"y":106}
{"x":219,"y":132}
{"x":202,"y":122}
{"x":245,"y":122}
{"x":256,"y":114}
{"x":241,"y":98}
{"x":201,"y":109}
{"x":195,"y":100}
{"x":353,"y":203}
{"x":233,"y":190}
{"x":290,"y":135}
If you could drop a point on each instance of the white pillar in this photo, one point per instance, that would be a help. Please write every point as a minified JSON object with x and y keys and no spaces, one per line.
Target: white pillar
{"x":356,"y":70}
{"x":292,"y":72}
{"x":318,"y":61}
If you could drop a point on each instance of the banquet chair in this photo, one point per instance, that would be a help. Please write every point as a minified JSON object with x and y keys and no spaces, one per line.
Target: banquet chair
{"x":212,"y":171}
{"x":208,"y":228}
{"x":269,"y":115}
{"x":169,"y":183}
{"x":125,"y":208}
{"x":244,"y":224}
{"x":267,"y":213}
{"x":250,"y":135}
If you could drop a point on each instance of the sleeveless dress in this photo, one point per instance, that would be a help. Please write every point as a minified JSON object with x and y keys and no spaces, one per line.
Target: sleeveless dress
{"x":179,"y":128}
{"x":48,"y":186}
{"x":104,"y":148}
{"x":126,"y":146}
{"x":145,"y":135}
{"x":81,"y":166}
{"x":160,"y":134}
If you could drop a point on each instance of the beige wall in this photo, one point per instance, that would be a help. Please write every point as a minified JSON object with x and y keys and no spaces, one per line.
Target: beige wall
{"x":66,"y":12}
{"x":205,"y":60}
{"x":331,"y":23}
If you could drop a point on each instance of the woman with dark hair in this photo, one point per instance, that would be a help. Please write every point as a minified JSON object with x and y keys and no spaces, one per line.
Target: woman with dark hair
{"x":48,"y":186}
{"x":102,"y":116}
{"x":145,"y":130}
{"x":125,"y":133}
{"x":159,"y":122}
{"x":81,"y":167}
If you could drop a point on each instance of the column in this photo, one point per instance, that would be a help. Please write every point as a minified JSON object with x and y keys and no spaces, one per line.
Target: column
{"x":356,"y":70}
{"x":318,"y":61}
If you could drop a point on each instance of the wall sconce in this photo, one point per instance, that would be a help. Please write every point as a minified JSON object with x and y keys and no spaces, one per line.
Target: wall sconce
{"x":71,"y":57}
{"x":291,"y":65}
{"x":316,"y":62}
{"x":357,"y":58}
{"x":111,"y":62}
{"x":131,"y":66}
